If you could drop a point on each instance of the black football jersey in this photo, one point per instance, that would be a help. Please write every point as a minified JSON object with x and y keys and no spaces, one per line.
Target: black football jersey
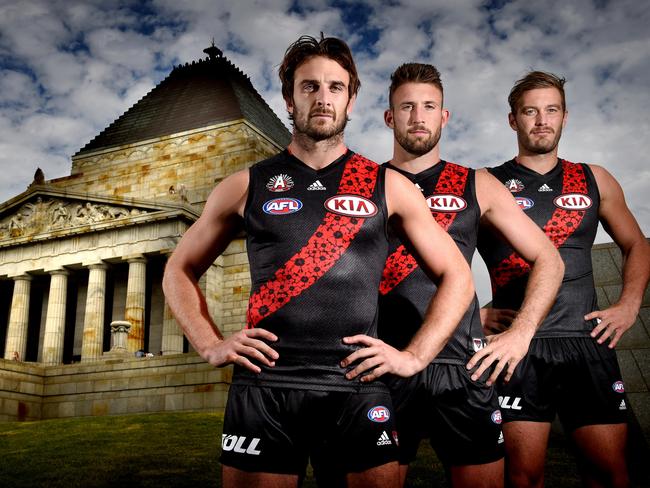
{"x":317,"y":243}
{"x":564,"y":204}
{"x":405,"y":290}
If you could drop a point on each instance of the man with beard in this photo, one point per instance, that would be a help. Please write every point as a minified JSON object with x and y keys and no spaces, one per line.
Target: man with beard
{"x":446,"y":402}
{"x":570,"y":369}
{"x":315,"y":217}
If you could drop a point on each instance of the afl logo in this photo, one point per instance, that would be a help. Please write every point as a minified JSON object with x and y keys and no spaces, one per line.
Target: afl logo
{"x":446,"y":203}
{"x":573,"y":201}
{"x":524,"y":203}
{"x":618,"y":387}
{"x":282,"y":206}
{"x":351,"y":206}
{"x":379,"y":414}
{"x":496,"y":417}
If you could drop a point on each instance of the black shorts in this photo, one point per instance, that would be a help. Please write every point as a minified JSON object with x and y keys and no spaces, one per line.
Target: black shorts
{"x":277,"y":430}
{"x":460,"y":417}
{"x":573,"y":377}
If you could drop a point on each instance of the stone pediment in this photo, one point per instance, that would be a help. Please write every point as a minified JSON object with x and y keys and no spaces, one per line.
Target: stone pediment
{"x":52,"y":213}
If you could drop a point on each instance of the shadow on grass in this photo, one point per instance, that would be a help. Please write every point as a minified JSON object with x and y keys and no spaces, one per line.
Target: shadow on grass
{"x":175,"y":450}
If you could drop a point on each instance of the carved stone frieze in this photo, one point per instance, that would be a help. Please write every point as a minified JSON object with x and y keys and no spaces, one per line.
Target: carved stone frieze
{"x":39,"y":216}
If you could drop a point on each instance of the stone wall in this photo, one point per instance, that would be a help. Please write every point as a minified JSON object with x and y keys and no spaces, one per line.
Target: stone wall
{"x":633,"y":350}
{"x":181,"y":382}
{"x":196,"y":159}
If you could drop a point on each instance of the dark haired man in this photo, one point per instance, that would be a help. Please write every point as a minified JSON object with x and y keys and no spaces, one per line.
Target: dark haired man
{"x":570,"y":370}
{"x":445,"y":402}
{"x":315,"y":217}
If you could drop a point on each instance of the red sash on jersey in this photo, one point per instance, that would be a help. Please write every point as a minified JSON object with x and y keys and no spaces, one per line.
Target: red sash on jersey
{"x":558,"y":229}
{"x":401,"y":263}
{"x":324,"y":248}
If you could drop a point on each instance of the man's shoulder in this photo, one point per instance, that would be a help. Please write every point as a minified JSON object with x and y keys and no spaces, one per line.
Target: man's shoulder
{"x":276,"y":158}
{"x":361,"y":158}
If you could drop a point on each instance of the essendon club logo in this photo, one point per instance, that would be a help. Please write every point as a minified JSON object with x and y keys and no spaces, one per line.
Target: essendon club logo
{"x":282,"y":206}
{"x":446,"y":203}
{"x":573,"y":201}
{"x":514,"y":185}
{"x":351,"y":206}
{"x":279,"y":183}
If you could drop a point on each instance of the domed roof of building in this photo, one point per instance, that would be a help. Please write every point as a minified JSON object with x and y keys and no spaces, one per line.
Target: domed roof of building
{"x":194,"y":95}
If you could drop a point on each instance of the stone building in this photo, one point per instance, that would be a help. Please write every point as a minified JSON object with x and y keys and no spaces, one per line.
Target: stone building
{"x":82,"y":251}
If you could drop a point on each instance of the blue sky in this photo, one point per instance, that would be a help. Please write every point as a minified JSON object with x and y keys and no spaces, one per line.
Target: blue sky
{"x":69,"y":68}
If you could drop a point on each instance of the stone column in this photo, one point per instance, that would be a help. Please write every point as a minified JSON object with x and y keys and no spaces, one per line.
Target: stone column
{"x":55,"y":318}
{"x":93,"y":335}
{"x":135,"y":302}
{"x":172,"y":335}
{"x":18,"y":318}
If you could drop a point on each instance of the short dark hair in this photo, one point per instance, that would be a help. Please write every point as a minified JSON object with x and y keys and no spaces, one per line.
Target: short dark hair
{"x":414,"y":73}
{"x":305,"y":48}
{"x":532,"y":81}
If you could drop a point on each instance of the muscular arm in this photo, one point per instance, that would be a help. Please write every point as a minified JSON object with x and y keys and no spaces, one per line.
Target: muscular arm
{"x":203,"y":242}
{"x":619,"y":223}
{"x":440,"y":258}
{"x":500,"y":212}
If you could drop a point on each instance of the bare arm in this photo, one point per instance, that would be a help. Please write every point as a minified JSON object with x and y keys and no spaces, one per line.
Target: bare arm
{"x":500,"y":212}
{"x":203,"y":242}
{"x":619,"y":223}
{"x":440,"y":258}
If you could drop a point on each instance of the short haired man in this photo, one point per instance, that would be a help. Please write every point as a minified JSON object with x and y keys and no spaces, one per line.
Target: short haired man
{"x":315,"y":218}
{"x":445,"y":402}
{"x":570,"y":370}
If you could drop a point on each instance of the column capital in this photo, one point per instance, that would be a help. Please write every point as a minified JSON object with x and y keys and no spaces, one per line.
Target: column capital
{"x":135,"y":258}
{"x":60,"y":271}
{"x":100,"y":265}
{"x":22,"y":277}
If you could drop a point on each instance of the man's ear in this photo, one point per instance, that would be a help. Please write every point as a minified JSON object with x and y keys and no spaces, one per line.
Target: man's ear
{"x":446,"y":114}
{"x":388,"y":119}
{"x":289,"y":105}
{"x":350,"y":106}
{"x":512,"y":121}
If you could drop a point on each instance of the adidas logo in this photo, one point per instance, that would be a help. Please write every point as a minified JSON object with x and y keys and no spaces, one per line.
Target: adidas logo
{"x":316,"y":185}
{"x":384,"y":440}
{"x":545,"y":187}
{"x":500,"y":441}
{"x":622,"y":406}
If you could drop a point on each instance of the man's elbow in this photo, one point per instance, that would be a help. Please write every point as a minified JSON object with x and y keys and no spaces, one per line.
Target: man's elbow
{"x":170,"y":275}
{"x":464,"y":281}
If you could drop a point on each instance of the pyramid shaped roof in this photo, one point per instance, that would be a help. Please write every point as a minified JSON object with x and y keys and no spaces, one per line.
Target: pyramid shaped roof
{"x":194,"y":95}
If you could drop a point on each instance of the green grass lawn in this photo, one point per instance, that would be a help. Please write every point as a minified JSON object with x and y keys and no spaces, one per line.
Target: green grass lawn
{"x":162,"y":450}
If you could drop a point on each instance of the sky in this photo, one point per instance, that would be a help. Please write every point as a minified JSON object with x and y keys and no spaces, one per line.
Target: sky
{"x":69,"y":68}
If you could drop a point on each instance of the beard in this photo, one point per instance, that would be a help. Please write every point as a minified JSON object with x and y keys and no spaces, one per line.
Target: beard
{"x":416,"y":145}
{"x":542,"y":145}
{"x":306,"y":125}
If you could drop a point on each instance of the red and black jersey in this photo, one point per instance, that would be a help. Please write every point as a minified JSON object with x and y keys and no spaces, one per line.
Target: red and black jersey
{"x":564,"y":203}
{"x":316,"y":243}
{"x":405,"y":290}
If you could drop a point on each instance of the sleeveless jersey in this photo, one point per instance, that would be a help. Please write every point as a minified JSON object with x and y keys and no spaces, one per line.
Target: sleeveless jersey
{"x":564,"y":203}
{"x":406,"y":290}
{"x":316,"y":243}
